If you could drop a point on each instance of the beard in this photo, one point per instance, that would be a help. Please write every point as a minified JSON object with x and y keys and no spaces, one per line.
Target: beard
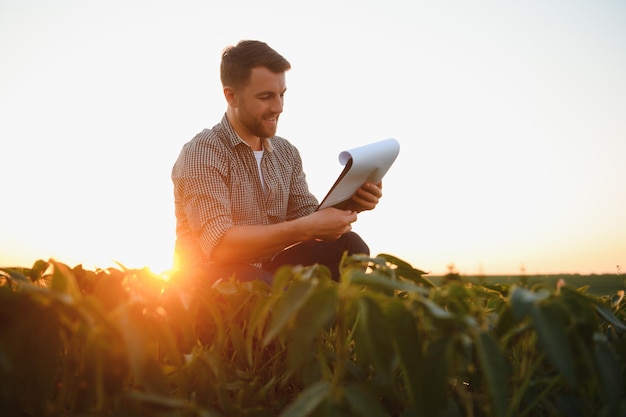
{"x":261,"y":127}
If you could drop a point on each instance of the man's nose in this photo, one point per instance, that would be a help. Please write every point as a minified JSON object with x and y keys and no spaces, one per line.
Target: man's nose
{"x":277,"y":105}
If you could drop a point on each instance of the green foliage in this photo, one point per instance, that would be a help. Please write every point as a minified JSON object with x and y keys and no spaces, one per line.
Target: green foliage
{"x":384,"y":341}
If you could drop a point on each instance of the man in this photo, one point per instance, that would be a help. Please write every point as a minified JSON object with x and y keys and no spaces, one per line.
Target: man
{"x":242,"y":203}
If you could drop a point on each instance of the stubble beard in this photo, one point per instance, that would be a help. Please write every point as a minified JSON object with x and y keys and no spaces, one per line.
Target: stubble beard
{"x":260,"y":129}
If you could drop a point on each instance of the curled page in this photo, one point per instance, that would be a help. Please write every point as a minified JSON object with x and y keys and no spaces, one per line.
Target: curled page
{"x":368,"y":163}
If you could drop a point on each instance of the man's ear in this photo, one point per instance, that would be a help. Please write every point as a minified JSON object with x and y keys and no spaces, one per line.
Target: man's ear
{"x":231,"y":97}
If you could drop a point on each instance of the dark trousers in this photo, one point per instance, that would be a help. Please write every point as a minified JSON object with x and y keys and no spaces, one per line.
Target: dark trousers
{"x":304,"y":253}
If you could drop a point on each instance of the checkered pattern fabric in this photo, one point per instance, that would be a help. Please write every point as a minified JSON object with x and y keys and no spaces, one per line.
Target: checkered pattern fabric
{"x":217,"y":186}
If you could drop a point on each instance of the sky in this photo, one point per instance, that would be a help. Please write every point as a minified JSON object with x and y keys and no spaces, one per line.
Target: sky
{"x":511,"y":119}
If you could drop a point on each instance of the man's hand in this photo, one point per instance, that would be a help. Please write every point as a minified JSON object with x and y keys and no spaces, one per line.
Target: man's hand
{"x":329,"y":224}
{"x":367,"y":197}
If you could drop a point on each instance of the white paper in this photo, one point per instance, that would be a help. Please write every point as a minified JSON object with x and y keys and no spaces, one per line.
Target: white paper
{"x":368,"y":163}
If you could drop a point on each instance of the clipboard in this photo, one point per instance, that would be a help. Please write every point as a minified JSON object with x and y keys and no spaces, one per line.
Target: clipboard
{"x":367,"y":163}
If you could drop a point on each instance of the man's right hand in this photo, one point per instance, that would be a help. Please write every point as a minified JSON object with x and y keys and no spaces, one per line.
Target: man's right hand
{"x":330,"y":223}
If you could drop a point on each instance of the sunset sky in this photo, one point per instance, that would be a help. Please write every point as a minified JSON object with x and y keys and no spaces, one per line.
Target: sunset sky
{"x":511,"y":120}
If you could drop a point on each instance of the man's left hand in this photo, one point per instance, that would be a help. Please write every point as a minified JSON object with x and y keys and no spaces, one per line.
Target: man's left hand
{"x":368,"y":196}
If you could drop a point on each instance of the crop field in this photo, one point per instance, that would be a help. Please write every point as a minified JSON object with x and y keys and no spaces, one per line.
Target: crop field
{"x":386,"y":340}
{"x":598,"y":284}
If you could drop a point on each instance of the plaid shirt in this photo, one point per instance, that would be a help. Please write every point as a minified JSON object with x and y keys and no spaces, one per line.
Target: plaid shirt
{"x":217,"y":186}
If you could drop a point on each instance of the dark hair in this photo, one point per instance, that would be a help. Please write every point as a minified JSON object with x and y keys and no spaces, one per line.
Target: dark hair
{"x":238,"y":61}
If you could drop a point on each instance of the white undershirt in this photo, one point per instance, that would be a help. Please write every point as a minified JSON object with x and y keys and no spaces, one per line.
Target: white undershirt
{"x":258,"y":155}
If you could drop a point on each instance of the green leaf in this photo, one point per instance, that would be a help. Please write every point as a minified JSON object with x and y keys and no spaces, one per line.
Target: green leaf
{"x":63,"y":280}
{"x":308,"y":400}
{"x":281,"y":278}
{"x":494,"y":368}
{"x":39,"y":268}
{"x":372,"y":338}
{"x":437,"y":312}
{"x":288,"y":305}
{"x":309,"y":324}
{"x":506,"y":325}
{"x":381,"y":283}
{"x":238,"y":343}
{"x":407,"y":341}
{"x":405,"y":269}
{"x":31,"y":348}
{"x":317,"y":312}
{"x":581,"y":305}
{"x":609,"y":371}
{"x":362,"y":402}
{"x":209,"y":309}
{"x":608,"y":315}
{"x":434,"y":377}
{"x":523,"y":300}
{"x":258,"y":321}
{"x":550,"y":324}
{"x":145,"y":368}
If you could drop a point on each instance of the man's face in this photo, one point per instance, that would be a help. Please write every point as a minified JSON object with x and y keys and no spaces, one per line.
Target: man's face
{"x":260,"y":102}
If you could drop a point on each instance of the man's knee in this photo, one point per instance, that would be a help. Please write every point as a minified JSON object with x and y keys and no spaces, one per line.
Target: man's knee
{"x":354,"y":244}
